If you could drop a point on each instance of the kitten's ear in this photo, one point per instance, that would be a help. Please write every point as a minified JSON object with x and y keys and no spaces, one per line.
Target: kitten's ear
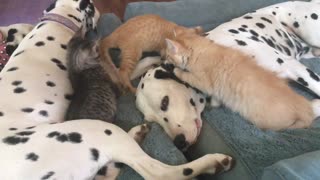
{"x":173,"y":47}
{"x":198,"y":30}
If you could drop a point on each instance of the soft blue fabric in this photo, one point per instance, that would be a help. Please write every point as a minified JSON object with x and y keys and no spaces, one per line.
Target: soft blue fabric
{"x":229,"y":133}
{"x":295,"y":168}
{"x":207,"y":13}
{"x":157,"y":143}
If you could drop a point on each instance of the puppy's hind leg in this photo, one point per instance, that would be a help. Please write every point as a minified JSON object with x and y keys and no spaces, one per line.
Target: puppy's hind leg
{"x":112,"y":170}
{"x":302,"y":75}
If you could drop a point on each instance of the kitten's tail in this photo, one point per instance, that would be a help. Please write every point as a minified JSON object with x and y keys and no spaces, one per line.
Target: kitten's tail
{"x":106,"y":61}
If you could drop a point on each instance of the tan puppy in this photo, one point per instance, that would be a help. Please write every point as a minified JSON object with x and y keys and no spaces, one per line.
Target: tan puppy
{"x":234,"y":79}
{"x":140,"y":34}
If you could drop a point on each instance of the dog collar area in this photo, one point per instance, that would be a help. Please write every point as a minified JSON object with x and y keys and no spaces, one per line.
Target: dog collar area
{"x":61,"y":20}
{"x":4,"y":57}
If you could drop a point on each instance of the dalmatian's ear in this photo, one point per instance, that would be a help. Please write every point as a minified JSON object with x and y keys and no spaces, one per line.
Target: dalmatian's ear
{"x":52,"y":6}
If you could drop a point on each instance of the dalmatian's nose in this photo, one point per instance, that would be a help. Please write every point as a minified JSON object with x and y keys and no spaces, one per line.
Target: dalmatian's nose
{"x":180,"y":142}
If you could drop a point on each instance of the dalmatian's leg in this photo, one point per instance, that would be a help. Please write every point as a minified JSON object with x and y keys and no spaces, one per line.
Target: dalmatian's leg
{"x":112,"y":170}
{"x":296,"y":71}
{"x":214,"y":102}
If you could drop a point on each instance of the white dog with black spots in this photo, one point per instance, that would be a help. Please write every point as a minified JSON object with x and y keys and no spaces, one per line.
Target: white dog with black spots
{"x":36,"y":92}
{"x":277,"y":37}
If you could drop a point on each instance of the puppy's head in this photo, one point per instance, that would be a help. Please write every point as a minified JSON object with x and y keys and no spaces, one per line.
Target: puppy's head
{"x":82,"y":11}
{"x":175,"y":106}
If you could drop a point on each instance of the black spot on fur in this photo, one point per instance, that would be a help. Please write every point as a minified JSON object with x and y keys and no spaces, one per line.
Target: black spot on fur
{"x":44,"y":113}
{"x":284,"y":24}
{"x":233,"y":31}
{"x":40,"y":25}
{"x":27,"y":110}
{"x":108,"y":132}
{"x":25,"y":133}
{"x":18,"y":53}
{"x":187,"y":171}
{"x":313,"y":75}
{"x":268,"y":41}
{"x":75,"y":18}
{"x":247,"y":17}
{"x":240,"y":42}
{"x":95,"y":154}
{"x":50,"y":84}
{"x":266,"y":19}
{"x":192,"y":102}
{"x":287,"y":50}
{"x":142,"y":86}
{"x":279,"y":60}
{"x":302,"y":81}
{"x":118,"y":165}
{"x":103,"y":171}
{"x":48,"y":102}
{"x":50,"y":38}
{"x":62,"y":67}
{"x":47,"y":176}
{"x":242,"y":29}
{"x":12,"y":69}
{"x":10,"y":49}
{"x":296,"y":24}
{"x":274,"y":13}
{"x":289,"y":43}
{"x":63,"y":46}
{"x":31,"y":36}
{"x":14,"y":140}
{"x":254,"y":38}
{"x":75,"y":137}
{"x":260,"y":25}
{"x":13,"y":129}
{"x":254,"y":33}
{"x":19,"y":90}
{"x":278,"y":32}
{"x":11,"y":33}
{"x":31,"y":127}
{"x":164,"y":103}
{"x":84,"y":4}
{"x":40,"y":43}
{"x":314,"y":16}
{"x":32,"y":156}
{"x":57,"y":61}
{"x":201,"y":100}
{"x":244,"y":26}
{"x":1,"y":113}
{"x":166,"y":119}
{"x":16,"y":83}
{"x":53,"y":134}
{"x":68,"y":97}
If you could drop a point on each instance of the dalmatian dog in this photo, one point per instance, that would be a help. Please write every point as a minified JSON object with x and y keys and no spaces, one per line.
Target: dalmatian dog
{"x":10,"y":37}
{"x":35,"y":143}
{"x":164,"y":99}
{"x":277,"y":37}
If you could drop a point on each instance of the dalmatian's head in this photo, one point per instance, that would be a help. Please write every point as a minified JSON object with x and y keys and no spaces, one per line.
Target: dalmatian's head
{"x":175,"y":106}
{"x":82,"y":11}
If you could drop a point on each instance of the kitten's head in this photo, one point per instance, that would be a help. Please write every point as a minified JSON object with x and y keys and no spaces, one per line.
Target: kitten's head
{"x":82,"y":53}
{"x":178,"y":53}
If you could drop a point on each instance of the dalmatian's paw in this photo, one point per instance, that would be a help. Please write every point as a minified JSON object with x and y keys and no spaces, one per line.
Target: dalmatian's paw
{"x":139,"y":132}
{"x":214,"y":102}
{"x":316,"y":52}
{"x":220,"y":163}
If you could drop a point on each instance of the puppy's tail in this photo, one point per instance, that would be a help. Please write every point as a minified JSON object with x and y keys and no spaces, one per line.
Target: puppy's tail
{"x":106,"y":61}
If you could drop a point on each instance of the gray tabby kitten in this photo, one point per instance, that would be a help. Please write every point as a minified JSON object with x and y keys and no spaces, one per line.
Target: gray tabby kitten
{"x":94,"y":94}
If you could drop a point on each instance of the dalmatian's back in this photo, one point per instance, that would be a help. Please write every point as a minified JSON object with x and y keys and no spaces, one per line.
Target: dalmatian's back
{"x":42,"y":96}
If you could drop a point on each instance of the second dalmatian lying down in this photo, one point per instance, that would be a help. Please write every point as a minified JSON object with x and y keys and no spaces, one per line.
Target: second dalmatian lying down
{"x":277,"y":37}
{"x":36,"y":144}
